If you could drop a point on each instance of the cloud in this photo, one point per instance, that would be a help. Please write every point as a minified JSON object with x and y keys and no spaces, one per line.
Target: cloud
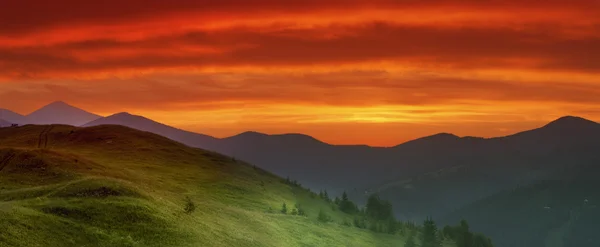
{"x":466,"y":48}
{"x":369,"y":62}
{"x":340,"y":88}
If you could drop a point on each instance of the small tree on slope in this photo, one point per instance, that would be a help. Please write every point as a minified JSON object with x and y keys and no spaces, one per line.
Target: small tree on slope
{"x":410,"y":241}
{"x":430,"y":238}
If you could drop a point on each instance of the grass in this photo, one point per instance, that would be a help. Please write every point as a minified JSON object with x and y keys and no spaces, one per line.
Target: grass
{"x":115,"y":186}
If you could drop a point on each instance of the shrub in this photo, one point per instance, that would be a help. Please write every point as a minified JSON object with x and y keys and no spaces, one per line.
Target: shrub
{"x":323,"y":217}
{"x":301,"y":212}
{"x":347,"y":223}
{"x":284,"y":208}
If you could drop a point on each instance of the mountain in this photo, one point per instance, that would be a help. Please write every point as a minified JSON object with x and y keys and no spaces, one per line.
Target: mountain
{"x":61,"y":113}
{"x":454,"y":170}
{"x":4,"y":123}
{"x":145,"y":124}
{"x":12,"y":117}
{"x":116,"y":186}
{"x":562,"y":210}
{"x":505,"y":183}
{"x":437,"y":175}
{"x":295,"y":155}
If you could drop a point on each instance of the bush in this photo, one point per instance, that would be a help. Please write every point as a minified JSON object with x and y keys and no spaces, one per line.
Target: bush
{"x":284,"y":208}
{"x":190,"y":207}
{"x":323,"y":217}
{"x":294,"y":212}
{"x":301,"y":212}
{"x":360,"y":222}
{"x":347,"y":223}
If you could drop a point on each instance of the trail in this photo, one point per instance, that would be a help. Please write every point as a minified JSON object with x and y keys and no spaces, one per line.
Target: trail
{"x":6,"y":160}
{"x":46,"y":136}
{"x":43,"y":138}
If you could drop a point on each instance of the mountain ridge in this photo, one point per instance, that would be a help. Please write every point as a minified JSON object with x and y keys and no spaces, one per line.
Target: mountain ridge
{"x":564,"y":121}
{"x":4,"y":123}
{"x":12,"y":116}
{"x":454,"y":171}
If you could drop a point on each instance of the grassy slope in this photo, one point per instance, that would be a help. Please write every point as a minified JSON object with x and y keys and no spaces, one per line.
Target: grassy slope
{"x":115,"y":186}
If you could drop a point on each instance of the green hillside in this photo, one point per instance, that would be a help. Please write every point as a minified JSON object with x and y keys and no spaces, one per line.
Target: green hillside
{"x":115,"y":186}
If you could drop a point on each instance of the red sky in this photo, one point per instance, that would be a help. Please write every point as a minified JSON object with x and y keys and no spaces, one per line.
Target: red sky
{"x":371,"y":72}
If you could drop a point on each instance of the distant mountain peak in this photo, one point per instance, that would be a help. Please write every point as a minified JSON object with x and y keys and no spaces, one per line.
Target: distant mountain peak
{"x":440,"y":137}
{"x":123,"y":114}
{"x":444,"y":135}
{"x":58,"y":103}
{"x":570,"y":122}
{"x":251,"y":132}
{"x":124,"y":117}
{"x":432,"y":139}
{"x":254,"y":134}
{"x":287,"y":137}
{"x":12,"y":117}
{"x":60,"y":112}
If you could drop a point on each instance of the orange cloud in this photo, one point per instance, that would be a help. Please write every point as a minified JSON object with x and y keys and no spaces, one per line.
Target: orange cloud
{"x":308,"y":66}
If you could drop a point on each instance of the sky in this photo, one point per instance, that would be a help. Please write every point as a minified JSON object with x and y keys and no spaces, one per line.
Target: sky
{"x":377,"y":72}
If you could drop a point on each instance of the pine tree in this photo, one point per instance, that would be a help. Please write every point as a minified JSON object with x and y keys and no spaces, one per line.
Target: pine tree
{"x":284,"y":208}
{"x":464,"y":236}
{"x":392,"y":226}
{"x":430,"y":238}
{"x":410,"y":241}
{"x":346,"y":206}
{"x":323,"y":217}
{"x":344,"y":196}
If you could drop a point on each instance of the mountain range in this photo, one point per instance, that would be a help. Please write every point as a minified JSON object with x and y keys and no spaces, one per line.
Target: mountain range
{"x":443,"y":175}
{"x":55,"y":113}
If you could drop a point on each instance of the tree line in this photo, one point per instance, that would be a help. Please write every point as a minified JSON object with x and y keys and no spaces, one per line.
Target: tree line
{"x":378,"y":216}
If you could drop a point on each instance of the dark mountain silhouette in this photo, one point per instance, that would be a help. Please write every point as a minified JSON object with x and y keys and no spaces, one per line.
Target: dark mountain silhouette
{"x":431,"y":176}
{"x":564,"y":208}
{"x":12,"y":117}
{"x":488,"y":166}
{"x":443,"y":165}
{"x":61,"y":113}
{"x":145,"y":124}
{"x":4,"y":123}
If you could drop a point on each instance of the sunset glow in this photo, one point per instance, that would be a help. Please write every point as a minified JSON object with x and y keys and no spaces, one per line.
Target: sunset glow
{"x":346,"y":72}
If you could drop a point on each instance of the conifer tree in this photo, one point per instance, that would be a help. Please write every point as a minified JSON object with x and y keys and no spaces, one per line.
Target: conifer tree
{"x":284,"y":208}
{"x":464,"y":236}
{"x":430,"y":238}
{"x":326,"y":196}
{"x":410,"y":241}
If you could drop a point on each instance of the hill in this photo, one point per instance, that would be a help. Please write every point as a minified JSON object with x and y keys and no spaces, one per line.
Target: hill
{"x":453,"y":171}
{"x":60,"y":113}
{"x":145,"y":124}
{"x":115,"y":186}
